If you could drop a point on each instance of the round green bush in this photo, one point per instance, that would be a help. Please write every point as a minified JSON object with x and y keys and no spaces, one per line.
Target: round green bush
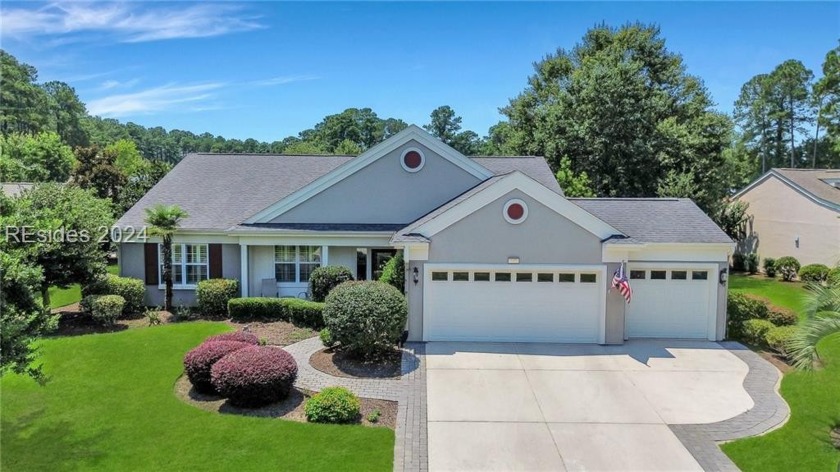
{"x":106,"y":308}
{"x":199,"y":361}
{"x":755,"y":330}
{"x":394,"y":272}
{"x":324,"y":279}
{"x":131,"y":289}
{"x":782,"y":317}
{"x":254,"y":376}
{"x":741,"y":308}
{"x":779,"y":337}
{"x":366,"y":318}
{"x":751,"y":263}
{"x":326,"y":338}
{"x":834,"y":276}
{"x":787,"y":267}
{"x":816,"y":273}
{"x":769,"y":267}
{"x":212,"y":295}
{"x":333,"y":405}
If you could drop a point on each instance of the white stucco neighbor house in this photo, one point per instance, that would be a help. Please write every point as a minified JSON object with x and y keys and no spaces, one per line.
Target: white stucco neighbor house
{"x":794,"y":212}
{"x":493,"y":250}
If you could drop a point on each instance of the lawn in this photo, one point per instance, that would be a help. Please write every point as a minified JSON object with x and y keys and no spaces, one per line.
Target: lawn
{"x":803,"y":442}
{"x":109,"y":405}
{"x":60,"y":297}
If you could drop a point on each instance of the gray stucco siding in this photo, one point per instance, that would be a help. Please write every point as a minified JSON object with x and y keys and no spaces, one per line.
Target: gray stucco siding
{"x":545,"y":237}
{"x":384,"y":192}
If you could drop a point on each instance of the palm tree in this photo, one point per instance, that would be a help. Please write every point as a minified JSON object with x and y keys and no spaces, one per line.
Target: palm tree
{"x":164,"y":220}
{"x":823,"y":312}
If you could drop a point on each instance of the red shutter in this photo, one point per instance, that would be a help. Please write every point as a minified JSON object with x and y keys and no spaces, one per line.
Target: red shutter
{"x":215,"y":253}
{"x":150,"y":251}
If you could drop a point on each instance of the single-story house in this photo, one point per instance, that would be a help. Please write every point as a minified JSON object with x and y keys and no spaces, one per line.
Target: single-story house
{"x":794,"y":212}
{"x":493,"y":250}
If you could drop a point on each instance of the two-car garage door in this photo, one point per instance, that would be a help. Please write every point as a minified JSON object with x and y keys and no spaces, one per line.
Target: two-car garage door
{"x":515,"y":304}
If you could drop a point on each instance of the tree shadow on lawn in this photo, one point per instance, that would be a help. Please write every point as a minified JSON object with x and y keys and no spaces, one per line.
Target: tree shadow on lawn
{"x":32,"y":442}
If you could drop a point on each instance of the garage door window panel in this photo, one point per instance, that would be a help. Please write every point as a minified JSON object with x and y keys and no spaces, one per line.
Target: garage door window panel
{"x":566,"y":278}
{"x":460,"y":276}
{"x":588,"y":278}
{"x":502,"y":277}
{"x":481,"y":276}
{"x":524,"y":277}
{"x":658,"y":274}
{"x":637,"y":274}
{"x":699,"y":275}
{"x":438,"y":276}
{"x":544,"y":277}
{"x":679,"y":275}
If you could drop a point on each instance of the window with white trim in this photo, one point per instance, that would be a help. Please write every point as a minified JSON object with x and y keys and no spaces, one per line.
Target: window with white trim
{"x":294,"y":264}
{"x":190,"y":264}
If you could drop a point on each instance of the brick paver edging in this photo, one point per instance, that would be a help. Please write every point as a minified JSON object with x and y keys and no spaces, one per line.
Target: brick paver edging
{"x":770,"y":411}
{"x":409,"y":391}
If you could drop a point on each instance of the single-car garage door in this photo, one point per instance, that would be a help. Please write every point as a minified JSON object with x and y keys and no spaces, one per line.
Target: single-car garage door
{"x":488,"y":303}
{"x":672,"y":302}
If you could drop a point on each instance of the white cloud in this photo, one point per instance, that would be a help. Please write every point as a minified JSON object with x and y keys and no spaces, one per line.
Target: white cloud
{"x":163,"y":98}
{"x":112,"y":84}
{"x":284,"y":79}
{"x":130,"y":22}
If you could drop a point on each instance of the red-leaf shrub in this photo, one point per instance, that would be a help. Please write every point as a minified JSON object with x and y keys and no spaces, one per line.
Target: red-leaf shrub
{"x":200,"y":360}
{"x":254,"y":375}
{"x":239,"y":336}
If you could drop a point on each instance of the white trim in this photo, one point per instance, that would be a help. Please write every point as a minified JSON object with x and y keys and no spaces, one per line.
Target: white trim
{"x":373,"y":154}
{"x":243,"y":269}
{"x":422,"y":160}
{"x":515,"y":181}
{"x":511,"y":202}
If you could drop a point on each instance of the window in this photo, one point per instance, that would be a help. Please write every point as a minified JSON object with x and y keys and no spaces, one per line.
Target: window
{"x":566,"y":277}
{"x":679,"y":275}
{"x":190,"y":264}
{"x":657,"y":275}
{"x":637,"y":275}
{"x":461,"y":276}
{"x":294,"y":264}
{"x":502,"y":277}
{"x":588,"y":278}
{"x":699,"y":275}
{"x":545,"y":277}
{"x":481,"y":276}
{"x":440,"y":275}
{"x":524,"y":277}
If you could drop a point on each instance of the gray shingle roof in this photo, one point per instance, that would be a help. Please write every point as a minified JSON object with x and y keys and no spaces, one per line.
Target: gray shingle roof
{"x":655,"y":220}
{"x":814,"y":182}
{"x":219,"y":191}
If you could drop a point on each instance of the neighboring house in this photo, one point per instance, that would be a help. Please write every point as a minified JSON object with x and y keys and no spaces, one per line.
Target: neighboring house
{"x":15,"y":189}
{"x":794,"y":212}
{"x":493,"y":250}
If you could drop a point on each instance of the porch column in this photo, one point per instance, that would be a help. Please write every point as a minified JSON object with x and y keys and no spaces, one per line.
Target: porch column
{"x":243,"y":268}
{"x":325,"y":255}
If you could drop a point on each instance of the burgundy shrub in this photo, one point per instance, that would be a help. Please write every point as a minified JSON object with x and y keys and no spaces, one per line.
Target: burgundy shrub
{"x":200,"y":360}
{"x":239,"y":336}
{"x":255,"y":375}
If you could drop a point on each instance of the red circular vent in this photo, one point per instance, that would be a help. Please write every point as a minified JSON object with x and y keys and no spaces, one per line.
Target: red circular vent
{"x":515,"y":211}
{"x":412,"y":159}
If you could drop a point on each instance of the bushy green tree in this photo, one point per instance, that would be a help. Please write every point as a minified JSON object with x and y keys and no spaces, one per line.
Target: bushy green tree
{"x":127,"y":158}
{"x":97,"y":170}
{"x":141,"y":182}
{"x":40,"y":157}
{"x":573,"y":185}
{"x":23,"y":100}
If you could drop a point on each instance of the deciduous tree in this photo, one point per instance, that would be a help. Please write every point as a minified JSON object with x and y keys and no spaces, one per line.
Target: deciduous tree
{"x":35,"y":158}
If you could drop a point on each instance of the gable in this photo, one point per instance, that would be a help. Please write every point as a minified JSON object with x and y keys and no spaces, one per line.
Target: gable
{"x":376,"y":187}
{"x":815,"y":192}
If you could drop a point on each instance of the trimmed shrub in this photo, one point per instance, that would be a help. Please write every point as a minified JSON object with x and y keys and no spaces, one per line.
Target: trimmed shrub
{"x":787,"y":267}
{"x":254,"y":375}
{"x":324,"y":279}
{"x":257,"y":308}
{"x":394,"y":272}
{"x":212,"y":295}
{"x":769,"y":267}
{"x":834,"y":276}
{"x":782,"y":317}
{"x":304,"y":312}
{"x":333,"y":405}
{"x":326,"y":338}
{"x":199,"y":361}
{"x":366,"y":318}
{"x":755,"y":330}
{"x":238,"y":336}
{"x":751,"y":263}
{"x":738,"y":262}
{"x":779,"y":337}
{"x":106,"y":308}
{"x":817,"y":273}
{"x":740,"y":308}
{"x":132,"y":290}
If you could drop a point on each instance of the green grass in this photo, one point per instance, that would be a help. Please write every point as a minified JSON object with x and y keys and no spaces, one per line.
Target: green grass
{"x":784,"y":294}
{"x":110,"y":405}
{"x":60,"y":297}
{"x":803,"y":442}
{"x":814,"y":399}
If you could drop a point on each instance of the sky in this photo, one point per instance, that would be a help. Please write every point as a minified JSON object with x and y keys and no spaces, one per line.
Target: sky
{"x":268,"y":70}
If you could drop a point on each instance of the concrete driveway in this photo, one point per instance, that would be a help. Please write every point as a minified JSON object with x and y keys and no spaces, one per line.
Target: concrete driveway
{"x":575,"y":407}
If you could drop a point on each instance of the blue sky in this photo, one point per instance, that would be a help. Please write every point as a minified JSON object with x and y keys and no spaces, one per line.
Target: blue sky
{"x":268,"y":70}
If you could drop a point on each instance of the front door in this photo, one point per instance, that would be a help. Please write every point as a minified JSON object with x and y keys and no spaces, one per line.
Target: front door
{"x":378,"y":259}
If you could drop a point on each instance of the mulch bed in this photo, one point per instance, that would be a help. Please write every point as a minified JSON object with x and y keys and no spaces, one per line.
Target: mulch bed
{"x":278,"y":333}
{"x":289,"y":409}
{"x":339,"y":364}
{"x":776,"y":360}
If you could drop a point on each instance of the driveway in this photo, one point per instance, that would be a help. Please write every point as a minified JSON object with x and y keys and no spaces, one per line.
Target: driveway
{"x":575,"y":407}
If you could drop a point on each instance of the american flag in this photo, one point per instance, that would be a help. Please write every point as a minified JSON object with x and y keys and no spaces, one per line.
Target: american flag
{"x":622,"y":284}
